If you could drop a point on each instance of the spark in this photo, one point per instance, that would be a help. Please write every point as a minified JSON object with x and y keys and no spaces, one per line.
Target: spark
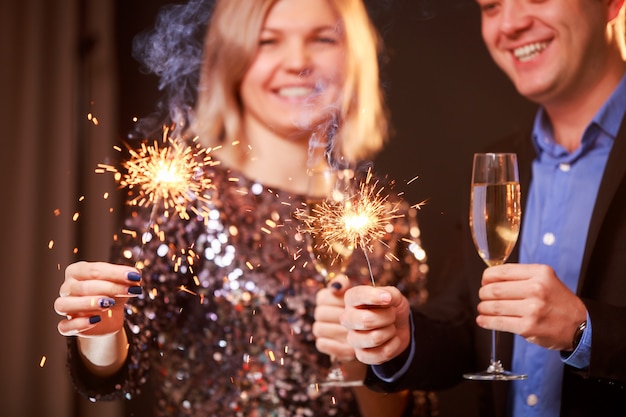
{"x":185,"y":289}
{"x":171,"y":173}
{"x":93,"y":119}
{"x":419,"y":205}
{"x":168,"y":175}
{"x":358,"y":221}
{"x":413,"y":179}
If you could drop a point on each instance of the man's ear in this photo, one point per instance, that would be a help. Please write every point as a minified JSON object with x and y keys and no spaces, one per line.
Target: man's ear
{"x":613,"y":8}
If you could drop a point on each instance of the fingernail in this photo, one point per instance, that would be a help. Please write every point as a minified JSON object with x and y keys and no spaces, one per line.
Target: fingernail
{"x":135,"y":290}
{"x":336,"y":285}
{"x":133,"y":276}
{"x":94,"y":319}
{"x":106,"y":302}
{"x":385,"y":297}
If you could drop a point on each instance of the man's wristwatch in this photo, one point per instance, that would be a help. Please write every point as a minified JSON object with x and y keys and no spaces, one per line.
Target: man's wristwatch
{"x":578,"y":335}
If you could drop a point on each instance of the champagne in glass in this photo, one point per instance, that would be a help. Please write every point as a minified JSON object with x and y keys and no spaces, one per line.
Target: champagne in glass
{"x":495,"y":215}
{"x":329,"y":188}
{"x":494,"y":220}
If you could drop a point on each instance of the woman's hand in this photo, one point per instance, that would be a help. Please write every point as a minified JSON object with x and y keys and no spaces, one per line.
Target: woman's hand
{"x":92,"y":298}
{"x":330,"y":335}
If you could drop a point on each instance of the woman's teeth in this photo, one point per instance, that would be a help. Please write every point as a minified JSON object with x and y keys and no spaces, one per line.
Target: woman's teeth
{"x":296,"y":91}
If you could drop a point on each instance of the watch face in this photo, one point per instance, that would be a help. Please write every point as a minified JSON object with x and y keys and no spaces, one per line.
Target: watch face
{"x":579,"y":334}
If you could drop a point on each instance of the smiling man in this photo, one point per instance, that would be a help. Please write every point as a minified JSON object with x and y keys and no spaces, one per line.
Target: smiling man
{"x":562,"y":299}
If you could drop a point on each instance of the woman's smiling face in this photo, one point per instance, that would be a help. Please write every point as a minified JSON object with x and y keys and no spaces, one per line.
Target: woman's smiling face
{"x":296,"y":77}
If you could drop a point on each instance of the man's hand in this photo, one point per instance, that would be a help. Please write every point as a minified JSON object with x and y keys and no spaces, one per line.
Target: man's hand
{"x":377,"y":319}
{"x":531,"y":301}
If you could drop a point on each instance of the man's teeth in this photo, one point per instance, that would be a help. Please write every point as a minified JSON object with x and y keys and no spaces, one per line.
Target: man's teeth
{"x":296,"y":91}
{"x":528,"y":52}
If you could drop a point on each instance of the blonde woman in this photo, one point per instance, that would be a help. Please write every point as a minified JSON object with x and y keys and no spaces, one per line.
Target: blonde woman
{"x":284,"y":85}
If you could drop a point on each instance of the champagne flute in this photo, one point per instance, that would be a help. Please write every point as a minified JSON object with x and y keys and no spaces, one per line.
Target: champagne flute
{"x":495,"y":213}
{"x":329,"y":188}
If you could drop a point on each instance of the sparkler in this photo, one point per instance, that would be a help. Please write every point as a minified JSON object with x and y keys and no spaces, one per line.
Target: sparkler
{"x":359,"y":221}
{"x":171,"y":174}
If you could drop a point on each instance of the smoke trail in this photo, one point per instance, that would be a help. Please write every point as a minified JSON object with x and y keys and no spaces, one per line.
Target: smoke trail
{"x":172,"y":50}
{"x":381,"y":12}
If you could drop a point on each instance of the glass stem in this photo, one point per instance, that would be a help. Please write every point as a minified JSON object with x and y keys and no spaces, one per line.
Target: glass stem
{"x":495,"y":366}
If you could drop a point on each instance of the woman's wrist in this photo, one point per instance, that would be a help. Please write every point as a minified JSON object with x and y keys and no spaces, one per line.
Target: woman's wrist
{"x":104,"y":355}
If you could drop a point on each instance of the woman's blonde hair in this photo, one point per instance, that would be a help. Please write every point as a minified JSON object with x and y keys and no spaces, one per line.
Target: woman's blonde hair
{"x":620,"y":30}
{"x":230,"y":46}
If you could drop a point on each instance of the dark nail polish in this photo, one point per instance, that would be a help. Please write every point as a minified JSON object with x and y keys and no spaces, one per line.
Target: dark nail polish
{"x":107,"y":302}
{"x":133,"y":276}
{"x":336,"y":285}
{"x":135,"y":290}
{"x":94,"y":319}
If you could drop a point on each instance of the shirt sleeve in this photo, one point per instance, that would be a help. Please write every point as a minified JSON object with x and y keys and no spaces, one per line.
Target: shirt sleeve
{"x":396,"y":368}
{"x":581,"y":356}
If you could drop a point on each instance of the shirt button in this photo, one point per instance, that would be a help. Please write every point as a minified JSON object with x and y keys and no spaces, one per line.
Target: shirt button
{"x":549,"y":239}
{"x":564,"y":167}
{"x":532,"y":400}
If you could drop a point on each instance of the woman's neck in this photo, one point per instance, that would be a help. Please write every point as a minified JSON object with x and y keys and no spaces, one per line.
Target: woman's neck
{"x":271,"y":159}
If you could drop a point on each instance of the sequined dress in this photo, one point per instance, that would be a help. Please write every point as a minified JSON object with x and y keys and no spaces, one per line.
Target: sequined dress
{"x":224,"y":323}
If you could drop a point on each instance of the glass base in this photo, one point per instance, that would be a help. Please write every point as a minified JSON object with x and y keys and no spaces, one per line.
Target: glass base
{"x":495,"y":376}
{"x":336,"y":378}
{"x":343,"y":383}
{"x":495,"y":372}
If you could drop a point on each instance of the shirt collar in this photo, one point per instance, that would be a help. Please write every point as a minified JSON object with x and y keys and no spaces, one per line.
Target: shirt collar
{"x":607,"y":120}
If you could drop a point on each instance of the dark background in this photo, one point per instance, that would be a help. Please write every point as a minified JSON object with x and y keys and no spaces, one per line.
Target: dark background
{"x":447,"y":100}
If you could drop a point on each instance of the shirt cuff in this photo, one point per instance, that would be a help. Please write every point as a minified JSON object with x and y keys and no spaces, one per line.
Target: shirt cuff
{"x":581,"y":356}
{"x":395,"y":369}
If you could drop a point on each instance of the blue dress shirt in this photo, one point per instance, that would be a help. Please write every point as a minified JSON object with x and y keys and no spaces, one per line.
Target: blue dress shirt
{"x":556,"y":237}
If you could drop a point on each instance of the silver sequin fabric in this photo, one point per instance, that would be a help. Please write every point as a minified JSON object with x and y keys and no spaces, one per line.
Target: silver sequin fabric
{"x":223,"y":327}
